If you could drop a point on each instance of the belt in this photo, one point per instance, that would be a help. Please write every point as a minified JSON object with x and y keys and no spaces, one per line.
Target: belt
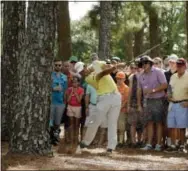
{"x":114,"y":92}
{"x":160,"y":98}
{"x":179,"y":101}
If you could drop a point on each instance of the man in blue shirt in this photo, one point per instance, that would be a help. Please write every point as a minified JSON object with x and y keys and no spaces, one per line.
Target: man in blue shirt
{"x":59,"y":85}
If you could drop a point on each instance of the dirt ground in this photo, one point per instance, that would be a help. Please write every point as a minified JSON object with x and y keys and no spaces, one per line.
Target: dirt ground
{"x":94,"y":159}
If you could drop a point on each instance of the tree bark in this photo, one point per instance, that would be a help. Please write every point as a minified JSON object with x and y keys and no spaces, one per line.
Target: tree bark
{"x":154,"y":32}
{"x":105,"y":29}
{"x":64,"y":37}
{"x":187,"y":25}
{"x":138,"y":42}
{"x":129,"y":46}
{"x":31,"y":120}
{"x":153,"y":28}
{"x":13,"y":32}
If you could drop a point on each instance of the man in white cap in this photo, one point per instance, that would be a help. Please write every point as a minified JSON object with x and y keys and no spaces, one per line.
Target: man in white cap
{"x":167,"y":133}
{"x":172,"y":66}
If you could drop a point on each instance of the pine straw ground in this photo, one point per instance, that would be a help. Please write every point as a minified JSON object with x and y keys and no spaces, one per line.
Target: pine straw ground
{"x":94,"y":159}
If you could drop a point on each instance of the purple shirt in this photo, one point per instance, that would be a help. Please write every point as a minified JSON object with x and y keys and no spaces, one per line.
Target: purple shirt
{"x":152,"y":80}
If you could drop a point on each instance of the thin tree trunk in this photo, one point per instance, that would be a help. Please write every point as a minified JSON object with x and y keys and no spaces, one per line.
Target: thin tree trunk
{"x":32,"y":117}
{"x":129,"y":46}
{"x":138,"y":42}
{"x":105,"y":29}
{"x":13,"y":30}
{"x":64,"y":37}
{"x":154,"y":32}
{"x":187,"y":25}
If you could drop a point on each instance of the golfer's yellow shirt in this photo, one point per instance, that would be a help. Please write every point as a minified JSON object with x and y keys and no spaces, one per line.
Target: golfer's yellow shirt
{"x":104,"y":86}
{"x":179,"y":86}
{"x":91,"y":79}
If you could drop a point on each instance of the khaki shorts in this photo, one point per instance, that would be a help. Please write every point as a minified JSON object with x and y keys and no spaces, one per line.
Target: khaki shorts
{"x":122,"y":121}
{"x":74,"y":111}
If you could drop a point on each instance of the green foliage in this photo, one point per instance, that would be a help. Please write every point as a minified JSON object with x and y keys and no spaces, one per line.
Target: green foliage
{"x":84,"y":41}
{"x":172,"y":25}
{"x":129,"y":18}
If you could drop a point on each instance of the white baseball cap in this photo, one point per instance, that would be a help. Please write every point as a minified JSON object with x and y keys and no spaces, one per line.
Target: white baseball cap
{"x":172,"y":58}
{"x":79,"y":66}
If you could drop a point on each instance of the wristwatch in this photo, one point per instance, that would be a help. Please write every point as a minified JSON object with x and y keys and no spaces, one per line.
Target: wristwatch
{"x":153,"y":90}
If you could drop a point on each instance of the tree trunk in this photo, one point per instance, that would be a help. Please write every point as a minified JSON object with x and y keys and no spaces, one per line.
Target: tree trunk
{"x":187,"y":25}
{"x":138,"y":42}
{"x":129,"y":46}
{"x":13,"y":30}
{"x":154,"y":32}
{"x":64,"y":37}
{"x":105,"y":29}
{"x":31,"y":120}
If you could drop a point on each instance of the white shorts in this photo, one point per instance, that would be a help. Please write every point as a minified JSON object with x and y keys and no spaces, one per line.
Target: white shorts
{"x":74,"y":111}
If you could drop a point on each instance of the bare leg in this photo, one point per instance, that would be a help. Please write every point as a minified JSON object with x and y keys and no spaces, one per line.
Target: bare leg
{"x":182,"y":136}
{"x":133,"y":134}
{"x":159,"y":127}
{"x":150,"y":132}
{"x":139,"y":136}
{"x":71,"y":130}
{"x":76,"y":130}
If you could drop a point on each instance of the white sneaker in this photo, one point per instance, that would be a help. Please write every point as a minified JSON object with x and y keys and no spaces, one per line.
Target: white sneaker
{"x":147,"y":147}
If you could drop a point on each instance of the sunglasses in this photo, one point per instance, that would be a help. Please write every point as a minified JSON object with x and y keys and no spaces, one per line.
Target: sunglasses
{"x":58,"y":65}
{"x":156,"y":63}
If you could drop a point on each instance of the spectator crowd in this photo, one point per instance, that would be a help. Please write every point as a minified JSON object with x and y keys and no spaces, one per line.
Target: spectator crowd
{"x":143,"y":104}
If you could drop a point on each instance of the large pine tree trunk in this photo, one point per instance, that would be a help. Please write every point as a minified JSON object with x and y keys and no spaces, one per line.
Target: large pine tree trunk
{"x":187,"y":25}
{"x":64,"y":37}
{"x":154,"y":32}
{"x":13,"y":31}
{"x":105,"y":29}
{"x":138,"y":42}
{"x":153,"y":28}
{"x":31,"y":120}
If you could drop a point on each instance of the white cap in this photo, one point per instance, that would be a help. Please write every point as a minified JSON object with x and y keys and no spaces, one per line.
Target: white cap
{"x":173,"y":58}
{"x":79,"y":66}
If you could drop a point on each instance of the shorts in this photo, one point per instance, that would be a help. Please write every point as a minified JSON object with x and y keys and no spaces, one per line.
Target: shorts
{"x":134,"y":117}
{"x":154,"y":110}
{"x":177,"y":116}
{"x":56,"y":113}
{"x":122,"y":121}
{"x":74,"y":111}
